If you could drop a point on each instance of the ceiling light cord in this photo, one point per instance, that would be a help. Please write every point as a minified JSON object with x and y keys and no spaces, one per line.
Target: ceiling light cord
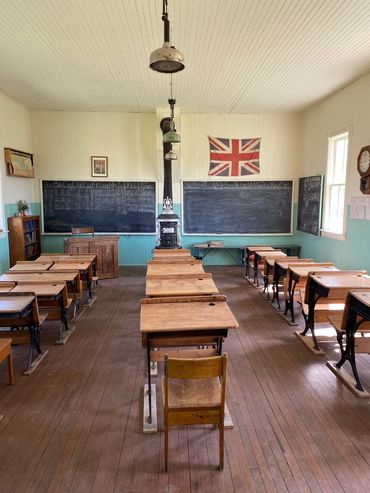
{"x":166,"y":22}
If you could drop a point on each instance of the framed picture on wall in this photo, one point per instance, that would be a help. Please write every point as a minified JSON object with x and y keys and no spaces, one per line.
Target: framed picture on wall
{"x":19,"y":163}
{"x":99,"y":166}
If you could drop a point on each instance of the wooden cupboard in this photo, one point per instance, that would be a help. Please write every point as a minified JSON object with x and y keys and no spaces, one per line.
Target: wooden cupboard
{"x":24,"y":238}
{"x":105,"y":247}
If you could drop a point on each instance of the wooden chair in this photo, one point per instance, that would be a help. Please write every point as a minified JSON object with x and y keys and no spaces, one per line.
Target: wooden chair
{"x":193,"y":394}
{"x":82,"y":230}
{"x":6,"y":352}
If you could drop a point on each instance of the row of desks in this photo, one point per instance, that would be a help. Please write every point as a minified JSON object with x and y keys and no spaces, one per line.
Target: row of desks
{"x":183,"y":309}
{"x":343,"y":293}
{"x":43,"y":284}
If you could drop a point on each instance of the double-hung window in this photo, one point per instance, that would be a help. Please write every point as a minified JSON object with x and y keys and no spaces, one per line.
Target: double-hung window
{"x":335,"y":186}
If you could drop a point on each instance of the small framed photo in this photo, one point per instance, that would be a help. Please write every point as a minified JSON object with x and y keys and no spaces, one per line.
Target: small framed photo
{"x":99,"y":166}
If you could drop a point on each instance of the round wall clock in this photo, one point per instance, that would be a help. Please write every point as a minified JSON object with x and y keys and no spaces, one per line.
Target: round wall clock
{"x":363,"y":167}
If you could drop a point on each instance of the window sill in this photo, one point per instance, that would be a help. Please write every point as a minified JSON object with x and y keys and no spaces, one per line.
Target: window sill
{"x":333,"y":236}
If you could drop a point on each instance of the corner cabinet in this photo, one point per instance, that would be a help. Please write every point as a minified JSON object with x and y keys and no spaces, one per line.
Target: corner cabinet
{"x":24,"y":238}
{"x":105,"y":247}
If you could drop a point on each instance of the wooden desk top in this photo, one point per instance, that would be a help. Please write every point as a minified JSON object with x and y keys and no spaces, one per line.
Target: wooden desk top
{"x":182,"y":286}
{"x":40,"y":289}
{"x":363,"y":296}
{"x":169,"y":317}
{"x":170,"y":252}
{"x":252,"y":249}
{"x":286,"y":262}
{"x":182,"y":259}
{"x":174,"y":269}
{"x":76,"y":257}
{"x":345,"y":281}
{"x":11,"y":304}
{"x":6,"y":289}
{"x":70,"y":265}
{"x":263,"y":254}
{"x":303,"y":270}
{"x":271,"y":261}
{"x":39,"y":276}
{"x":31,"y":265}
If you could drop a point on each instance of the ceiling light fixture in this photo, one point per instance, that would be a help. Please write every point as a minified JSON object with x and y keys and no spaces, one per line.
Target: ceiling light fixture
{"x":171,"y":137}
{"x":167,"y":59}
{"x":171,"y":155}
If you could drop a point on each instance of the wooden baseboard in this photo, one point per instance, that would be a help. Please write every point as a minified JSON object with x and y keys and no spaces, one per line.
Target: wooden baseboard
{"x":153,"y":426}
{"x":35,"y":363}
{"x":67,"y":334}
{"x":348,"y":380}
{"x":307,"y":341}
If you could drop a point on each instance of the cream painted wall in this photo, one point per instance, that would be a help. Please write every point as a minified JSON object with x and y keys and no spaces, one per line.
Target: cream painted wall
{"x":64,"y":142}
{"x":347,"y":109}
{"x":15,"y":132}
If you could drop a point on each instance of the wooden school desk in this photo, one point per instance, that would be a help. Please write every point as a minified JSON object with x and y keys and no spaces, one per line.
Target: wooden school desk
{"x":174,"y":269}
{"x":281,"y":268}
{"x":169,"y":252}
{"x":260,"y":255}
{"x":54,"y":257}
{"x":84,"y":267}
{"x":21,"y":310}
{"x":30,"y":265}
{"x":249,"y":252}
{"x":49,"y":297}
{"x":191,"y":285}
{"x":180,"y":322}
{"x":71,"y":278}
{"x":269,"y":271}
{"x":335,"y":285}
{"x":174,"y":260}
{"x":298,"y":274}
{"x":356,"y":312}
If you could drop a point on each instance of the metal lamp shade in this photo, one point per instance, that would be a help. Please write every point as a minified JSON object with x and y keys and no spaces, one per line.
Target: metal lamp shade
{"x":171,"y":137}
{"x":171,"y":155}
{"x":167,"y":59}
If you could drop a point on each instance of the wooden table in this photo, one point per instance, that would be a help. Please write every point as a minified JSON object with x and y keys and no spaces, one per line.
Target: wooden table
{"x":203,"y":249}
{"x":298,"y":273}
{"x":171,"y":252}
{"x":260,"y":255}
{"x":55,"y":257}
{"x":84,"y":267}
{"x":334,"y":285}
{"x":249,"y":251}
{"x":71,"y":278}
{"x":356,"y":312}
{"x":280,"y":269}
{"x":17,"y":310}
{"x":182,"y":286}
{"x":174,"y":269}
{"x":179,"y":322}
{"x":31,"y":266}
{"x":49,"y":295}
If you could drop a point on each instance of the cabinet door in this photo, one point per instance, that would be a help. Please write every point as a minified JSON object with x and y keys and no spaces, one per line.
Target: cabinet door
{"x":80,"y":246}
{"x":107,"y":253}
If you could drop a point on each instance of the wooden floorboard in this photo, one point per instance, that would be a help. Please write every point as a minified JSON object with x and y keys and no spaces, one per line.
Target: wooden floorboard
{"x":75,"y":424}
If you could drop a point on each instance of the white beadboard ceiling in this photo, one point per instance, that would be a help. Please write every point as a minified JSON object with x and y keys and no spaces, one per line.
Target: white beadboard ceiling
{"x":242,"y":56}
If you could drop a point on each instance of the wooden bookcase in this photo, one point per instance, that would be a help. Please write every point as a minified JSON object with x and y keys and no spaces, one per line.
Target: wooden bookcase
{"x":24,"y":238}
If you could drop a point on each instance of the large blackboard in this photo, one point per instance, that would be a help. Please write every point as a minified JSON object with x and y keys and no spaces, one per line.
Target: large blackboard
{"x":109,"y":206}
{"x":309,"y":204}
{"x":237,"y":207}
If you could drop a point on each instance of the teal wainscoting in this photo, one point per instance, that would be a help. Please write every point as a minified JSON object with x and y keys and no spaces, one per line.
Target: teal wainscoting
{"x":353,"y":253}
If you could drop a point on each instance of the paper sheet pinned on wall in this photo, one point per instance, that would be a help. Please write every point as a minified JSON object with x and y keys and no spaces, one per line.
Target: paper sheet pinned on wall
{"x":360,"y":208}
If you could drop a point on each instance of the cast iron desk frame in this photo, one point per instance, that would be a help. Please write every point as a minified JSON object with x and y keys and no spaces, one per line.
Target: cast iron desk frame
{"x":25,"y":314}
{"x":258,"y":258}
{"x":356,"y":308}
{"x":203,"y":251}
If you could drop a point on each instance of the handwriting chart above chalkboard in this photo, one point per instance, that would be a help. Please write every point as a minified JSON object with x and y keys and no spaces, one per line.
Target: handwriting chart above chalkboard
{"x":109,"y":206}
{"x":237,"y":207}
{"x":309,"y":204}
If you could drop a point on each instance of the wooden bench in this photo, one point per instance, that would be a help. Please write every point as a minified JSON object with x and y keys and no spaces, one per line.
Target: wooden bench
{"x":6,"y":352}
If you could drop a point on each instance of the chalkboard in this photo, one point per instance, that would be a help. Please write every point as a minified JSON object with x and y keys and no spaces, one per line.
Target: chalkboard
{"x":309,"y":204}
{"x":109,"y":206}
{"x":237,"y":207}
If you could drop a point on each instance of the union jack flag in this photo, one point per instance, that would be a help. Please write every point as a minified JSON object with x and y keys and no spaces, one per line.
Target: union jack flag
{"x":234,"y":157}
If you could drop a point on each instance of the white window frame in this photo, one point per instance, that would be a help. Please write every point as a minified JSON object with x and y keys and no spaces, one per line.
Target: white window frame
{"x":328,"y":183}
